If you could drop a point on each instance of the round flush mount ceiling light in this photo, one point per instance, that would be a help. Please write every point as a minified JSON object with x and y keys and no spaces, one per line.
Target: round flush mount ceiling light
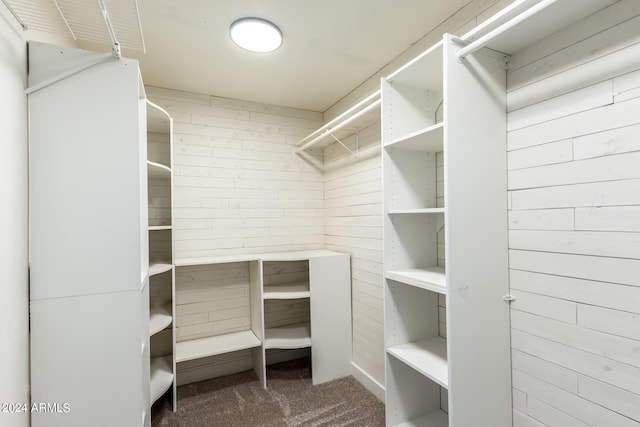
{"x":256,"y":35}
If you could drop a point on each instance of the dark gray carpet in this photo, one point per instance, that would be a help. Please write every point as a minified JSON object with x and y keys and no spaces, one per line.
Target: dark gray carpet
{"x":290,"y":400}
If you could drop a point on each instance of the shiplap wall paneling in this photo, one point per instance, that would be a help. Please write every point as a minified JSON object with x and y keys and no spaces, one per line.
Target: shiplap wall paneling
{"x":353,"y":224}
{"x":573,"y":224}
{"x":239,"y":188}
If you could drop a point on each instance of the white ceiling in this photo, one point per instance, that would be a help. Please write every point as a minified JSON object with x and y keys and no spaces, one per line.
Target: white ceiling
{"x":329,"y":48}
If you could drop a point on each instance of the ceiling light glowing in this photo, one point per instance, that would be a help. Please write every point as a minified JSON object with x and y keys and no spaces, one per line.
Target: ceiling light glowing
{"x":256,"y":35}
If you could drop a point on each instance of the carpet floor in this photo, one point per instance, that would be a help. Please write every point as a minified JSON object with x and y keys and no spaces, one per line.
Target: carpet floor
{"x":291,"y":400}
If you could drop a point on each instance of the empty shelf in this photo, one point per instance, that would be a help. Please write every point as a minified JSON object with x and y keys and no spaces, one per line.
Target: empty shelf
{"x":156,"y":170}
{"x":159,"y":318}
{"x":417,"y":211}
{"x":161,"y":376}
{"x":429,"y":357}
{"x":432,"y":279}
{"x":288,"y":337}
{"x":211,"y":346}
{"x":437,"y":418}
{"x":428,"y":139}
{"x":159,"y":227}
{"x":288,"y":291}
{"x":158,"y":268}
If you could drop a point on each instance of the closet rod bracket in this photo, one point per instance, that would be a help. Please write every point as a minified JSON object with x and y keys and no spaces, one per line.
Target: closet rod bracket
{"x":341,"y":143}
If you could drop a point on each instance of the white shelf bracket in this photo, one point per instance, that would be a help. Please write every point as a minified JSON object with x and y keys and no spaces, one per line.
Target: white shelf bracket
{"x":509,"y":298}
{"x":342,"y":143}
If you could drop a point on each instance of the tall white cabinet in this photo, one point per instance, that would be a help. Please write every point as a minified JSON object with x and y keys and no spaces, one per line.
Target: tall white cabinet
{"x":88,"y":239}
{"x":447,"y":359}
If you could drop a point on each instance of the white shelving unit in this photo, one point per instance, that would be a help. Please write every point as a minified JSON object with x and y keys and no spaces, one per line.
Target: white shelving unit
{"x":89,"y":318}
{"x":444,"y":140}
{"x":159,"y":136}
{"x":327,"y":332}
{"x":459,"y":380}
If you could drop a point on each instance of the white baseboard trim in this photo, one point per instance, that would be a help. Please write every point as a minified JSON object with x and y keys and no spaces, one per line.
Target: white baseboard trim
{"x":368,"y":382}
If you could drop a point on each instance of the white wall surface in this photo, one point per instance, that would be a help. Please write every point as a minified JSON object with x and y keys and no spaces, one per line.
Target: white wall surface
{"x":574,"y":189}
{"x":238,"y":186}
{"x":14,"y":287}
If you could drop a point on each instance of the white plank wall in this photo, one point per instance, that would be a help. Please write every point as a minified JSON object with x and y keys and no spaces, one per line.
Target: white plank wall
{"x":574,"y":227}
{"x":238,"y":186}
{"x":353,"y":224}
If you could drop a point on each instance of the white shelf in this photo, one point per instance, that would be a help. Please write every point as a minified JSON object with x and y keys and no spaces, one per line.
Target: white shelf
{"x":157,"y":171}
{"x":159,"y":318}
{"x":289,"y":291}
{"x":159,"y":227}
{"x":288,"y":337}
{"x":431,"y":279}
{"x":437,"y":418}
{"x":416,"y":211}
{"x":429,"y":357}
{"x":211,"y":346}
{"x":158,"y":268}
{"x":430,"y":139}
{"x":161,"y":376}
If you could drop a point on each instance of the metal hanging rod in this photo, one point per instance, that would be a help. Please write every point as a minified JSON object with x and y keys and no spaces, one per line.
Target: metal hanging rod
{"x":329,"y":125}
{"x":491,"y":35}
{"x":327,"y":130}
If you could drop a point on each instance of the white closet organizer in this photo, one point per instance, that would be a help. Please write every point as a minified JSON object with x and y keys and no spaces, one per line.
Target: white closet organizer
{"x":88,"y":239}
{"x":444,"y":159}
{"x":289,"y":297}
{"x":161,"y":272}
{"x":450,"y":366}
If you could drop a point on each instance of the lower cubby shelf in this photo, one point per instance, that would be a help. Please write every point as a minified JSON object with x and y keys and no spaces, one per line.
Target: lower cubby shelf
{"x":212,"y":346}
{"x":288,"y":337}
{"x":160,"y":317}
{"x":428,"y":356}
{"x":161,"y":376}
{"x":437,"y":418}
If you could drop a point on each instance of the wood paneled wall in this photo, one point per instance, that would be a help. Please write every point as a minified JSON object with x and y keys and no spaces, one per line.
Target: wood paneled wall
{"x":238,"y":186}
{"x":574,"y":193}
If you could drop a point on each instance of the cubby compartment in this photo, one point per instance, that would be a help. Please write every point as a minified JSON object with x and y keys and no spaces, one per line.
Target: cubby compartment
{"x":412,"y":111}
{"x":412,"y":178}
{"x":414,"y":256}
{"x":287,"y":309}
{"x":416,"y":356}
{"x":219,"y":319}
